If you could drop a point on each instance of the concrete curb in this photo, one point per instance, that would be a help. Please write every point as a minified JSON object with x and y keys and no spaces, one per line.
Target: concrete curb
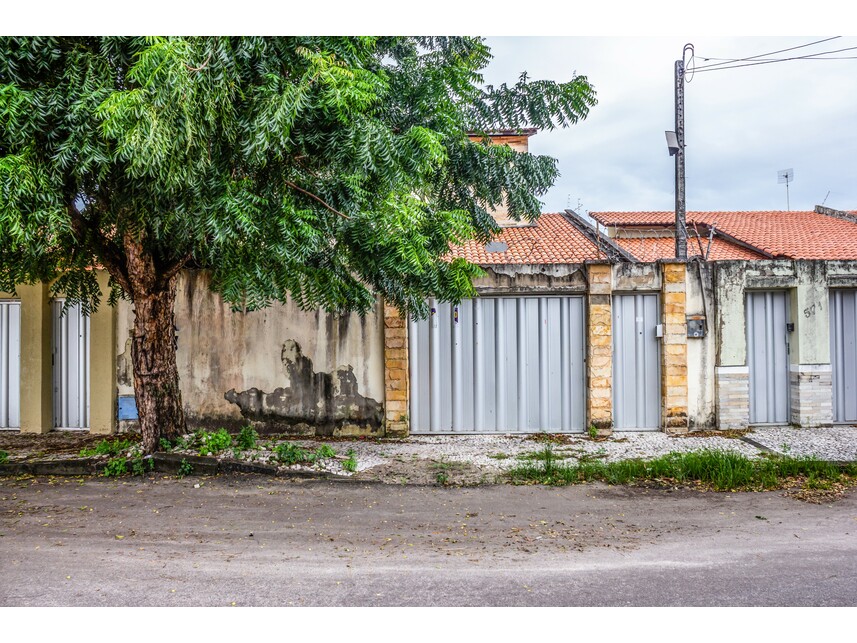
{"x":163,"y":463}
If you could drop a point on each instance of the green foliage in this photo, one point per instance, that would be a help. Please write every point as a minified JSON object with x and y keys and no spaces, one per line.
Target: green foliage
{"x":165,"y":444}
{"x":721,"y":470}
{"x":592,"y":432}
{"x":115,"y":467}
{"x":330,"y":169}
{"x":140,"y":465}
{"x":213,"y":443}
{"x":289,"y":453}
{"x":246,"y":438}
{"x":4,"y":457}
{"x":108,"y":447}
{"x":324,"y":451}
{"x":327,"y":171}
{"x":185,"y":468}
{"x":350,"y":464}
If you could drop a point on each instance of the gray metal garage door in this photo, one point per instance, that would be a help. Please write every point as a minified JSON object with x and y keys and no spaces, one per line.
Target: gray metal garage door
{"x":71,"y":368}
{"x":768,"y":356}
{"x":636,"y":363}
{"x":843,"y":354}
{"x":499,"y":365}
{"x":10,"y":365}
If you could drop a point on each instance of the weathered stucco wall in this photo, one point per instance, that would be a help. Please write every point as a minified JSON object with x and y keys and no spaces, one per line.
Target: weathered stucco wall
{"x":281,"y":368}
{"x":808,"y":284}
{"x":701,"y":351}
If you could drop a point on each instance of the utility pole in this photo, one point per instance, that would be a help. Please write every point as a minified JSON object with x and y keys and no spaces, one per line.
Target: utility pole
{"x":680,"y":203}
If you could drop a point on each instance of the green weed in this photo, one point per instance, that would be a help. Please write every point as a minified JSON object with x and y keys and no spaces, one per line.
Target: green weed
{"x":164,"y":444}
{"x":106,"y":447}
{"x":289,"y":453}
{"x":592,"y":432}
{"x":4,"y":457}
{"x":115,"y":467}
{"x":324,"y":451}
{"x":246,"y":438}
{"x":140,"y":466}
{"x":351,"y":463}
{"x":185,"y":468}
{"x":213,"y":443}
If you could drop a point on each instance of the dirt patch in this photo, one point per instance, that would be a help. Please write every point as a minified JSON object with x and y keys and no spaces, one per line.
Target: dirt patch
{"x":725,"y":433}
{"x":55,"y":445}
{"x":429,"y":472}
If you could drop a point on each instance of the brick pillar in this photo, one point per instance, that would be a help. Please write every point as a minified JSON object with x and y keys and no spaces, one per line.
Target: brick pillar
{"x":396,"y":383}
{"x":674,"y":350}
{"x":599,"y":349}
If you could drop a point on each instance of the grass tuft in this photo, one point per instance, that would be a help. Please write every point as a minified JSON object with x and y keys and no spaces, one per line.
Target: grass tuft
{"x":719,"y":470}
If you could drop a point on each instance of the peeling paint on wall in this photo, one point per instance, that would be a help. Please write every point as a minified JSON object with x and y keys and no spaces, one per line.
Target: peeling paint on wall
{"x":310,"y":402}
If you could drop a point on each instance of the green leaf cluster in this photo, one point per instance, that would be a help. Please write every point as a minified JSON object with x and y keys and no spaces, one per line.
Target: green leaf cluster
{"x":330,"y":170}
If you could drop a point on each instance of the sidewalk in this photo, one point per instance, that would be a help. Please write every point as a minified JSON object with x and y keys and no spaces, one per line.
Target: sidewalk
{"x":471,"y":458}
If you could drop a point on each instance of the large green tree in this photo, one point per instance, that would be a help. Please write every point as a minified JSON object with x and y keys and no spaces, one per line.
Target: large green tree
{"x":328,"y":170}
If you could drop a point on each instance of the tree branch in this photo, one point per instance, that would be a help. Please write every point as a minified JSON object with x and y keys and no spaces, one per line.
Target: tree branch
{"x":202,"y":66}
{"x":107,"y":255}
{"x":319,"y":199}
{"x":173,"y":269}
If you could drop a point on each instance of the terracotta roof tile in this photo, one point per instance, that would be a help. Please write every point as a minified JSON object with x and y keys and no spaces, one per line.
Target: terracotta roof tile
{"x":552,"y":240}
{"x":796,"y":235}
{"x":654,"y":248}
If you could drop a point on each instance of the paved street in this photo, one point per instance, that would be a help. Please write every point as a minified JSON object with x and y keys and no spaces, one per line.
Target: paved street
{"x":261,"y":541}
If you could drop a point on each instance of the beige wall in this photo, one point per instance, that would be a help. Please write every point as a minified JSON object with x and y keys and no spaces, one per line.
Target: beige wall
{"x":36,"y":363}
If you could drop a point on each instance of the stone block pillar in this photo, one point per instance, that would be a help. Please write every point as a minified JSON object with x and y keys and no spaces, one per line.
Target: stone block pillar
{"x":674,"y":350}
{"x":396,"y":379}
{"x":599,"y":349}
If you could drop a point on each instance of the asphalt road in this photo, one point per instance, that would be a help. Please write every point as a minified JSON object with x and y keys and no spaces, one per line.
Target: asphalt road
{"x":258,"y":541}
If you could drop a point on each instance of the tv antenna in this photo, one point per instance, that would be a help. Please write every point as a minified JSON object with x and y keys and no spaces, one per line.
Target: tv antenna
{"x":786,"y":176}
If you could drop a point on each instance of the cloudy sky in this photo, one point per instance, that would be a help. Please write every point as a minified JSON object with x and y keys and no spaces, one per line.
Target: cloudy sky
{"x":742,"y":125}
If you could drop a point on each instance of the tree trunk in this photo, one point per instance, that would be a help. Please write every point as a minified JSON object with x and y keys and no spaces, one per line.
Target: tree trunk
{"x":153,"y":352}
{"x":156,"y":377}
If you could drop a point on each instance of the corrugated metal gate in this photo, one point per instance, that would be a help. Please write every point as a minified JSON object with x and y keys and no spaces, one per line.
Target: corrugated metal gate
{"x":636,"y":363}
{"x":71,"y":367}
{"x":10,"y":365}
{"x":499,"y":365}
{"x":768,"y":356}
{"x":843,"y":354}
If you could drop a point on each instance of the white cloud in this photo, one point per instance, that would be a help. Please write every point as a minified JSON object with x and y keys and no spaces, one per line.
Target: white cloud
{"x":743,"y":124}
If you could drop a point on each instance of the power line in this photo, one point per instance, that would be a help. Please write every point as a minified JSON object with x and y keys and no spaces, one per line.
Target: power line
{"x":770,"y":53}
{"x":817,"y":56}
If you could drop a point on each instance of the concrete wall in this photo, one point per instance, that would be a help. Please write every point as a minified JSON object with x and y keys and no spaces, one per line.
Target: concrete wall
{"x":701,"y":351}
{"x":281,"y":368}
{"x":810,"y":378}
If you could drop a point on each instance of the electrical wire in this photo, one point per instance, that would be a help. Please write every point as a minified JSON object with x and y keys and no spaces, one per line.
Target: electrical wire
{"x":815,"y":56}
{"x":770,"y":53}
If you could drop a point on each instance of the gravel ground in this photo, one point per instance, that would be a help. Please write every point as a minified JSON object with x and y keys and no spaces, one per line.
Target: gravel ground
{"x":477,"y":458}
{"x":838,"y":443}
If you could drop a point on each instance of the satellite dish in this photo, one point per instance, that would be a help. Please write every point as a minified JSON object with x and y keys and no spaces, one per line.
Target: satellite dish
{"x":786,"y":176}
